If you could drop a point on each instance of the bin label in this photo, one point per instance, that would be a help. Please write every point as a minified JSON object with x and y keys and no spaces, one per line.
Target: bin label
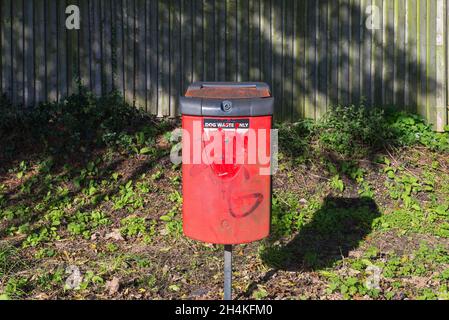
{"x":226,"y":123}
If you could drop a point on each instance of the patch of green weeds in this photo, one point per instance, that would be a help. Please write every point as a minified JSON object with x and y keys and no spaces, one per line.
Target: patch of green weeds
{"x":133,"y":226}
{"x":90,"y":278}
{"x":51,"y":280}
{"x":260,"y":293}
{"x":285,"y":215}
{"x":83,"y":223}
{"x":157,"y":175}
{"x":352,"y":130}
{"x":111,"y":247}
{"x":295,"y":139}
{"x":350,"y":287}
{"x":41,"y":235}
{"x":127,"y":198}
{"x":45,"y":253}
{"x":16,"y":287}
{"x":408,"y":129}
{"x":173,"y":225}
{"x":420,"y":263}
{"x":147,"y":282}
{"x":337,"y":183}
{"x":274,"y":256}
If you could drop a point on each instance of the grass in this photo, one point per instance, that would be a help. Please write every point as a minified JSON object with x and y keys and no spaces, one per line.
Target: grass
{"x":360,"y":209}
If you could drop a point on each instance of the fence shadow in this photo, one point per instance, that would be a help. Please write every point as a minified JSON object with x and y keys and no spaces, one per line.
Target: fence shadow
{"x":314,"y":54}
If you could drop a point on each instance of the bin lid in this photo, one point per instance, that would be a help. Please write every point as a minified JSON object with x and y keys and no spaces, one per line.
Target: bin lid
{"x":227,"y":99}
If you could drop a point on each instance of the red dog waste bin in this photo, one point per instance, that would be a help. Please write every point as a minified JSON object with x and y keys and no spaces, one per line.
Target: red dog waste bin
{"x":226,"y":161}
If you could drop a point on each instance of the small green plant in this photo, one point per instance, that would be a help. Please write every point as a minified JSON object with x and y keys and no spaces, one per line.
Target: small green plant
{"x":16,"y":287}
{"x":83,"y":223}
{"x":409,"y":129}
{"x":295,"y":139}
{"x":49,"y":280}
{"x":133,"y":226}
{"x":157,"y":175}
{"x":350,"y":287}
{"x":44,"y":253}
{"x":21,"y":170}
{"x":260,"y":293}
{"x":127,"y":198}
{"x":173,"y":224}
{"x":337,"y":184}
{"x":111,"y":247}
{"x":90,"y":278}
{"x":274,"y":256}
{"x":41,"y":235}
{"x":286,"y":217}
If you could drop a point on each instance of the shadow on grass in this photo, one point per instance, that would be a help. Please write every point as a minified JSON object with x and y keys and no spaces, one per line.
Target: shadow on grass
{"x":68,"y":144}
{"x":336,"y":228}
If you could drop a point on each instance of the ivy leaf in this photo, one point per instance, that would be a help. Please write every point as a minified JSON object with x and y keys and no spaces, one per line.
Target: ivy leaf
{"x":145,"y":150}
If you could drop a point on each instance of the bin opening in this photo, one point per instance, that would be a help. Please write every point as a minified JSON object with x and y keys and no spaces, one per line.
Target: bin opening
{"x":225,"y":90}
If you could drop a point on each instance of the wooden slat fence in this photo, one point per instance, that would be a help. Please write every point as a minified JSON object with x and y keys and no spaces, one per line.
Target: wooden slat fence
{"x":313,"y":53}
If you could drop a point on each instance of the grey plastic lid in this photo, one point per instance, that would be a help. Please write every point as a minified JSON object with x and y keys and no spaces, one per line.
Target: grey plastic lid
{"x":224,"y":99}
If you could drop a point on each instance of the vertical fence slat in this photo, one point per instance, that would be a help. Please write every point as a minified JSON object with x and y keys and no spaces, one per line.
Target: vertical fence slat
{"x":287,"y":87}
{"x":152,"y":51}
{"x":209,"y":35}
{"x":367,"y":56}
{"x":140,"y":61}
{"x":265,"y":33}
{"x":333,"y":53}
{"x":197,"y":47}
{"x":310,"y":60}
{"x":440,"y":103}
{"x":128,"y":36}
{"x":343,"y":76}
{"x":276,"y":30}
{"x":6,"y":48}
{"x":163,"y":56}
{"x":72,"y":56}
{"x":243,"y":41}
{"x":412,"y":57}
{"x":254,"y":40}
{"x":231,"y":39}
{"x":377,"y":66}
{"x":17,"y":52}
{"x":220,"y":57}
{"x":39,"y":45}
{"x":95,"y":54}
{"x":84,"y":43}
{"x":322,"y":60}
{"x":175,"y":57}
{"x":431,"y":86}
{"x":298,"y":60}
{"x":388,"y":54}
{"x":62,"y":50}
{"x":117,"y":46}
{"x":52,"y":52}
{"x":354,"y":66}
{"x":106,"y":46}
{"x":399,"y":55}
{"x":29,"y":93}
{"x":422,"y":34}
